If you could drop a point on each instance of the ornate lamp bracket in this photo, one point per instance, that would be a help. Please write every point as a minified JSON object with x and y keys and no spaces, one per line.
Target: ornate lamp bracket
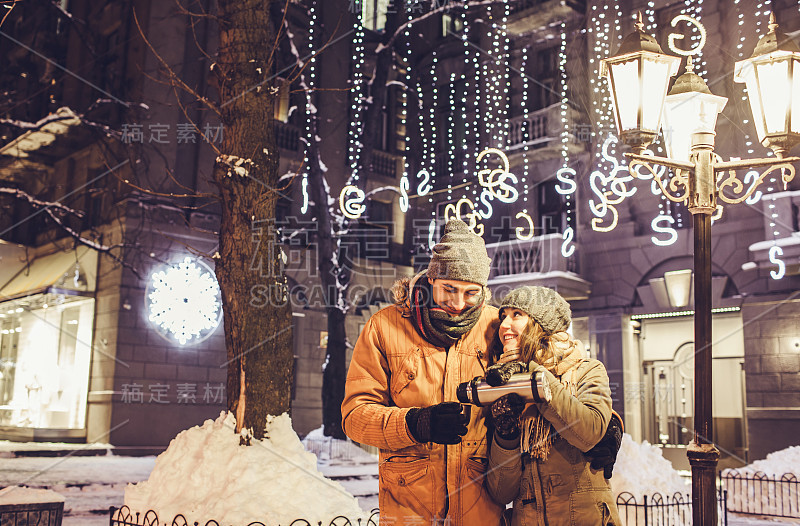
{"x":737,"y":188}
{"x":675,"y":187}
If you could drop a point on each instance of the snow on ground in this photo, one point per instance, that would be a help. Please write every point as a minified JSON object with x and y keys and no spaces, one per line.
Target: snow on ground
{"x":641,"y":469}
{"x":25,"y":495}
{"x":91,"y":484}
{"x":206,"y":474}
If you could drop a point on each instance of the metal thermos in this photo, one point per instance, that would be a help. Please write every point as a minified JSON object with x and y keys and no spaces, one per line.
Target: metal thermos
{"x":480,"y":393}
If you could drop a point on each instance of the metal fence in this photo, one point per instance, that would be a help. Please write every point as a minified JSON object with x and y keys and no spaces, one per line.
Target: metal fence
{"x":761,"y":494}
{"x":334,"y":449}
{"x":124,"y":517}
{"x":660,"y":510}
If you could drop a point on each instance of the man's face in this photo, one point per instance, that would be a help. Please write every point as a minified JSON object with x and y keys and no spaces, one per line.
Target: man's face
{"x":454,"y":296}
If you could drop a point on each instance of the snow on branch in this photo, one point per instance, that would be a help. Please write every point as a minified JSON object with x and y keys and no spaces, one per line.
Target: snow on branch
{"x":56,"y":211}
{"x":62,"y":114}
{"x":38,"y":203}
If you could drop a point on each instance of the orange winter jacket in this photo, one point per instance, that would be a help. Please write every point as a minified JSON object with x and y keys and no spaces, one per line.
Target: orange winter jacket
{"x":393,"y":369}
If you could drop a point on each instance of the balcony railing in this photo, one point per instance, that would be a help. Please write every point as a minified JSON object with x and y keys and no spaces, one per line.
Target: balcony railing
{"x":530,"y":130}
{"x":443,"y":160}
{"x":385,"y":164}
{"x":540,"y":254}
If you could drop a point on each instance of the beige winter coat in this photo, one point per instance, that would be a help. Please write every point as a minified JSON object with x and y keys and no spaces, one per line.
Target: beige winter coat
{"x":564,"y":489}
{"x":393,"y":369}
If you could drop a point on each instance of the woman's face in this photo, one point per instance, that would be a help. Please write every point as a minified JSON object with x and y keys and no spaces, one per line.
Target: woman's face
{"x":512,"y":323}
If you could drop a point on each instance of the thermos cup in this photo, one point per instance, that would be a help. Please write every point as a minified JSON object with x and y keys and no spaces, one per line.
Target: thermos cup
{"x":528,"y":386}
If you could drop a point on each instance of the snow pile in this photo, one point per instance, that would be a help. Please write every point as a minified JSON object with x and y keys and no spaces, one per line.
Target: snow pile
{"x":777,"y":463}
{"x":23,"y":495}
{"x":641,"y":470}
{"x":770,"y":493}
{"x":205,"y":474}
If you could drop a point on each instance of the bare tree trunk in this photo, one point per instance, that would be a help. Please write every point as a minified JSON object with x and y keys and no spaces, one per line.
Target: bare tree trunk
{"x":258,"y":333}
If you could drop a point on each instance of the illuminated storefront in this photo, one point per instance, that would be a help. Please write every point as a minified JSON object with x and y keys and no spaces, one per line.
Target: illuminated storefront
{"x":46,"y":329}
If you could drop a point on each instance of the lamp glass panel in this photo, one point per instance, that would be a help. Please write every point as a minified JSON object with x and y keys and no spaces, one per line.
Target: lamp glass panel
{"x":679,"y":286}
{"x":679,"y":123}
{"x":708,"y":108}
{"x":773,"y":78}
{"x":655,"y":75}
{"x":745,"y":72}
{"x":626,"y":91}
{"x":795,"y":127}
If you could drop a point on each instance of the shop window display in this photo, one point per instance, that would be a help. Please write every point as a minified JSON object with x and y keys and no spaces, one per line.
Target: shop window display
{"x":45,"y":354}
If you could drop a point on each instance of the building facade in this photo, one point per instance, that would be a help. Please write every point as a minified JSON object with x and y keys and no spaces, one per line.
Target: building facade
{"x":501,"y":118}
{"x":497,"y":115}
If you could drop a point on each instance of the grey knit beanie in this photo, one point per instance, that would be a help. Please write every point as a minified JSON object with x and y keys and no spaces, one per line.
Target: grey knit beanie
{"x":545,"y":306}
{"x":460,"y":255}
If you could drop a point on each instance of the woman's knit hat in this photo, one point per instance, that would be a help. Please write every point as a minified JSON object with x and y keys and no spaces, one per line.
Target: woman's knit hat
{"x":460,"y":255}
{"x":545,"y":306}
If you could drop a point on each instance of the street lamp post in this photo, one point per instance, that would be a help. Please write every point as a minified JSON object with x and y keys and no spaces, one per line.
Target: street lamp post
{"x":699,"y":177}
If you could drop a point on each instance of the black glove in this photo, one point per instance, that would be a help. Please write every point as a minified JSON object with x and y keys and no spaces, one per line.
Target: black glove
{"x":441,"y":423}
{"x":505,"y":415}
{"x":499,"y":373}
{"x":604,"y":453}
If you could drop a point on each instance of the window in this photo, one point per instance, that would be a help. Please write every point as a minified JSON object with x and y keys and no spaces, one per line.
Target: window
{"x":373,"y":14}
{"x":543,"y":71}
{"x":452,"y":25}
{"x":280,"y":103}
{"x":551,"y":209}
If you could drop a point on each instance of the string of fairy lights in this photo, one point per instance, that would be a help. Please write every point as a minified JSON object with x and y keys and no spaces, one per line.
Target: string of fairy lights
{"x":666,"y":220}
{"x":566,"y":175}
{"x":525,"y":115}
{"x":405,"y":95}
{"x":694,"y":9}
{"x":356,"y":127}
{"x":759,"y":16}
{"x":310,"y":83}
{"x":432,"y":123}
{"x":605,"y":26}
{"x":483,"y":89}
{"x":469,"y":135}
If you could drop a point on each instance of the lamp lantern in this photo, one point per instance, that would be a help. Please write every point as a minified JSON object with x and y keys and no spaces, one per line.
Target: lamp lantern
{"x":772,"y":77}
{"x":690,"y":114}
{"x":638,"y":77}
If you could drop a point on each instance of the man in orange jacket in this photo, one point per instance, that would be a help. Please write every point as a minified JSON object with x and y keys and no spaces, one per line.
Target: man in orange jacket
{"x":400,"y":394}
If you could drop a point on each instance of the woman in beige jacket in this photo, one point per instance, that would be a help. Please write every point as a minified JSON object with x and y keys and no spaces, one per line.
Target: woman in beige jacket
{"x":536,"y":459}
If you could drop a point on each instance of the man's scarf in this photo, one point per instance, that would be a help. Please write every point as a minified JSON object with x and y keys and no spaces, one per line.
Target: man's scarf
{"x":433,"y":323}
